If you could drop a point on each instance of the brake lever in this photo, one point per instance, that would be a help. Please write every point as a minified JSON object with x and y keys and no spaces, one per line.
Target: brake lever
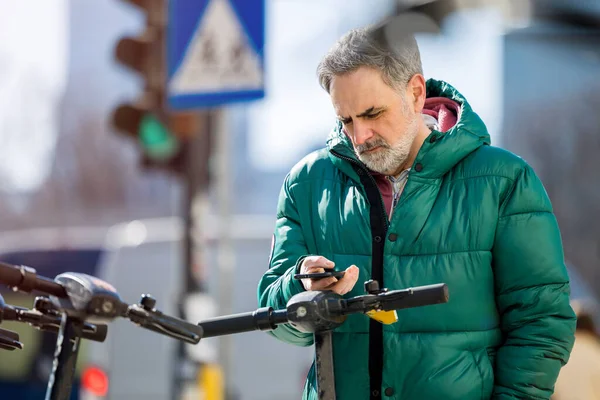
{"x":45,"y":318}
{"x":160,"y":323}
{"x":9,"y":340}
{"x":147,"y":316}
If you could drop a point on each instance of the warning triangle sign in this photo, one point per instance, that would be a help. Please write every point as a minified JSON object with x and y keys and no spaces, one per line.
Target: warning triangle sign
{"x":219,"y":57}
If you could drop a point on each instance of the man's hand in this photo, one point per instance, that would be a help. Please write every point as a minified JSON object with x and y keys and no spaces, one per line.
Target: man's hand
{"x":316,"y":264}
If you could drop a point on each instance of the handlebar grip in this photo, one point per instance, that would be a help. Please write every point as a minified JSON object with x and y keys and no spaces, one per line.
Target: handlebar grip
{"x":261,"y":319}
{"x":416,"y":297}
{"x":431,"y":294}
{"x":10,"y":275}
{"x":25,"y":279}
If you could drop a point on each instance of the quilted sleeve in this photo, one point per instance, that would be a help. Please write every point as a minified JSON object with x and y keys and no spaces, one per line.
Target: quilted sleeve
{"x":277,"y":285}
{"x":532,"y":294}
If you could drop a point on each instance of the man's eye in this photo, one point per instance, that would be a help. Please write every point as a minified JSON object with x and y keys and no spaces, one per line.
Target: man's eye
{"x":346,"y":121}
{"x":375,"y":115}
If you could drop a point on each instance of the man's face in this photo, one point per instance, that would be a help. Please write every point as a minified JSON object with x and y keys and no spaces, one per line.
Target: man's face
{"x":380,"y":121}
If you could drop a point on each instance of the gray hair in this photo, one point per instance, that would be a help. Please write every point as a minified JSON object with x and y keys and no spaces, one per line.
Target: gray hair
{"x":369,"y":47}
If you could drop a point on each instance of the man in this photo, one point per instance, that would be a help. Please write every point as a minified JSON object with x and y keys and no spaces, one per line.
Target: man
{"x":409,"y":192}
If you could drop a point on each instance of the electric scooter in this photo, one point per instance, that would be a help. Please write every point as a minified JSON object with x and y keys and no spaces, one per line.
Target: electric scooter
{"x":79,"y":306}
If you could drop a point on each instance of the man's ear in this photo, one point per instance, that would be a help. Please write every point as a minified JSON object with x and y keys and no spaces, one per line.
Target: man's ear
{"x":416,"y":92}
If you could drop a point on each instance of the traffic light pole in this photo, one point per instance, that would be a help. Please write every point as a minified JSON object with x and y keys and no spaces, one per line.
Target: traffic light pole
{"x":195,"y":181}
{"x":207,"y":156}
{"x":195,"y":177}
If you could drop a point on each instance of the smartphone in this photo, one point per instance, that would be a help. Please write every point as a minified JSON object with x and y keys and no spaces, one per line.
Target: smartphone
{"x":320,"y":275}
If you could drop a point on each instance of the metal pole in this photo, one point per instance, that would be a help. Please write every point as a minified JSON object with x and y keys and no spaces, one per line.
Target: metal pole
{"x":68,"y":340}
{"x":195,"y":177}
{"x":324,"y":365}
{"x":225,"y":256}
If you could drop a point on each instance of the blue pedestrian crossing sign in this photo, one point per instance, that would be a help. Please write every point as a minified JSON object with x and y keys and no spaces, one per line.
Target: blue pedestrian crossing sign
{"x":215,"y":52}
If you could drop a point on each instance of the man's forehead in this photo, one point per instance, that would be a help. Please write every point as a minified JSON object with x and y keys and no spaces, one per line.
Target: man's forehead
{"x":358,"y":112}
{"x":351,"y":104}
{"x":350,"y":97}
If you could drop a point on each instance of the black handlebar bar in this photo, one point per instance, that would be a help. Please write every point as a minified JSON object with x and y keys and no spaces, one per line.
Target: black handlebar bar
{"x":262,"y":319}
{"x":415,"y":297}
{"x":25,"y":279}
{"x":400,"y":299}
{"x":323,"y":310}
{"x":87,"y":298}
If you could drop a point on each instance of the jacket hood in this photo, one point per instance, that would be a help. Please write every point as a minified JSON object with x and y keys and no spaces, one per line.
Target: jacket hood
{"x":440,"y":152}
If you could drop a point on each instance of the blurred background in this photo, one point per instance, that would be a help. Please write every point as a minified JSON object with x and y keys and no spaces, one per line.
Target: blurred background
{"x":171,"y":188}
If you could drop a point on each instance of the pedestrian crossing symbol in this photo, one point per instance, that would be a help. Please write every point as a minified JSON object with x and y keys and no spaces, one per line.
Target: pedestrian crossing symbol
{"x":221,"y":61}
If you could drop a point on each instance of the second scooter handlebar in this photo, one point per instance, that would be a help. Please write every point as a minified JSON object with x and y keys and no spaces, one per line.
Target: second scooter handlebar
{"x":262,"y":319}
{"x":323,"y":310}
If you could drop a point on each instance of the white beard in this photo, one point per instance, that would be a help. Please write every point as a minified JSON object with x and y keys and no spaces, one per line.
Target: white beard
{"x":389,"y":158}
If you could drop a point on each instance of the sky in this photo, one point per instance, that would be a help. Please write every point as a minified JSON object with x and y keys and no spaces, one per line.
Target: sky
{"x":33,"y":75}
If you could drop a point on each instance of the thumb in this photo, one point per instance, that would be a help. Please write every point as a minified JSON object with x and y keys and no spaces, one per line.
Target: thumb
{"x":349,"y":279}
{"x":352,"y":272}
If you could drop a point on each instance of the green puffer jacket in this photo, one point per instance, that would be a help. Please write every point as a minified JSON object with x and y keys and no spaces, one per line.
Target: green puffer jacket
{"x":471,"y":215}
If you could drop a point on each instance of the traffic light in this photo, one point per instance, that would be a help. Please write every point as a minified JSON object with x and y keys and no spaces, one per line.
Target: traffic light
{"x":161,"y":134}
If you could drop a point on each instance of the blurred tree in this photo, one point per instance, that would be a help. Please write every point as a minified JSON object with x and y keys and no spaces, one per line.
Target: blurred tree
{"x":95,"y":179}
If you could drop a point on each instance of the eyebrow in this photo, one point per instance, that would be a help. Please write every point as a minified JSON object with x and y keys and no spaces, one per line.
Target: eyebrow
{"x":365,"y":113}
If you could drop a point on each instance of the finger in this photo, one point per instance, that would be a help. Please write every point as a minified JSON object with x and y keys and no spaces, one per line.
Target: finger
{"x":323,"y":284}
{"x":309,"y":283}
{"x":312,"y":261}
{"x":319,"y":283}
{"x":312,"y":270}
{"x":318,"y":261}
{"x":347,"y":282}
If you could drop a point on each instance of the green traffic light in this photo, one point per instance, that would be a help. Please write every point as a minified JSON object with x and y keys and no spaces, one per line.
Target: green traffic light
{"x":156,"y":140}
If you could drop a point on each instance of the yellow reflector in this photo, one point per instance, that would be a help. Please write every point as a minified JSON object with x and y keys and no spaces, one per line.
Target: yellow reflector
{"x":385,"y":317}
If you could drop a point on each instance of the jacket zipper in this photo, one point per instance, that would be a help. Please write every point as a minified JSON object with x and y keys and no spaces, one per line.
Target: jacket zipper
{"x":394,"y":201}
{"x":398,"y":189}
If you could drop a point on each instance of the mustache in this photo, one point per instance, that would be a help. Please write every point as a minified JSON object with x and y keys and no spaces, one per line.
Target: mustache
{"x":379,"y":142}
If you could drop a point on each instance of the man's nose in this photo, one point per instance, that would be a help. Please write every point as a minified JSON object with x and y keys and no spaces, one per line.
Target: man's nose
{"x":362,"y":133}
